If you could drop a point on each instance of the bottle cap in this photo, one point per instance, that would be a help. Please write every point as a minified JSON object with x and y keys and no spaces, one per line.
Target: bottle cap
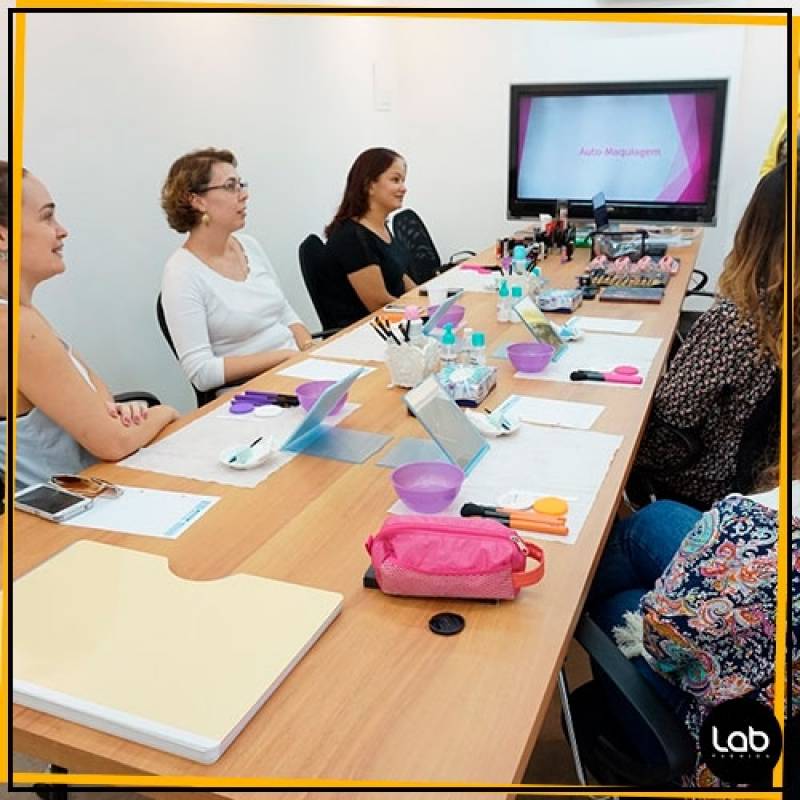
{"x":519,"y":253}
{"x":478,"y":339}
{"x":537,"y":272}
{"x":503,"y":290}
{"x":448,"y":337}
{"x":516,"y":291}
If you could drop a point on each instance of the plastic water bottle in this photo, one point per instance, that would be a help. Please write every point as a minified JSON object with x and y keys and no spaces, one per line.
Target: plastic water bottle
{"x":536,"y":283}
{"x":448,"y":352}
{"x":503,"y":303}
{"x":519,"y":260}
{"x":477,"y":351}
{"x":516,"y":297}
{"x":466,"y":346}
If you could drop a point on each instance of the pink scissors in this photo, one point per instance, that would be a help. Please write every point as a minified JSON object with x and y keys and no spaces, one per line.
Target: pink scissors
{"x":621,"y":374}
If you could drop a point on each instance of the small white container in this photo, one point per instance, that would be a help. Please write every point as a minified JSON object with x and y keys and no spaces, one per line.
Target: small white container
{"x":410,"y":363}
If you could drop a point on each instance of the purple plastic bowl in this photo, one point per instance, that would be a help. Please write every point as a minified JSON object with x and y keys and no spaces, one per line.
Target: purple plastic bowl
{"x":530,"y":356}
{"x":308,"y":394}
{"x":453,"y":315}
{"x":427,"y":486}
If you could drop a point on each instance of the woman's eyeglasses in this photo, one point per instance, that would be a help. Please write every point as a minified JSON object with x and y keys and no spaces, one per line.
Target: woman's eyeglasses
{"x":86,"y":487}
{"x":232,"y":186}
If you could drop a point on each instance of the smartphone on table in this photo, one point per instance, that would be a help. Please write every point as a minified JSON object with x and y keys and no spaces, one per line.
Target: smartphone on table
{"x":50,"y":502}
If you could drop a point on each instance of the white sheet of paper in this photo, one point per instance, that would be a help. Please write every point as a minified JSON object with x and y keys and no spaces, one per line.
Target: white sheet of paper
{"x":543,"y":411}
{"x":607,"y":325}
{"x":146,"y":512}
{"x":469,"y":280}
{"x":600,"y":352}
{"x":541,"y":461}
{"x":361,"y":344}
{"x":193,"y":451}
{"x":318,"y":369}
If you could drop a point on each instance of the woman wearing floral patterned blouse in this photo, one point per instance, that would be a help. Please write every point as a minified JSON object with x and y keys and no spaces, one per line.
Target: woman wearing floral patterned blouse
{"x":696,"y":611}
{"x":727,"y":364}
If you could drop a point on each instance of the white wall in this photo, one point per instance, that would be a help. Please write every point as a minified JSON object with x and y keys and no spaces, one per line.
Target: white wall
{"x":111,"y":100}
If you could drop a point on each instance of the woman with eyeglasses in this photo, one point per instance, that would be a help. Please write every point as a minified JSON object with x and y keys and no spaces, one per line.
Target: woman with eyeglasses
{"x":226,"y":313}
{"x":66,"y":417}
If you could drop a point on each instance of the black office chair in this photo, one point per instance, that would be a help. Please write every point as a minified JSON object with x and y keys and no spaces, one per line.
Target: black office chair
{"x":791,"y":757}
{"x":203,"y":395}
{"x":591,"y":713}
{"x":411,"y":232}
{"x":687,"y":318}
{"x":207,"y":395}
{"x":758,"y":448}
{"x":315,"y":270}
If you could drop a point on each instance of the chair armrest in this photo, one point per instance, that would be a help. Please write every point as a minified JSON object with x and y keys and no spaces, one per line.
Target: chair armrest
{"x":130,"y":397}
{"x":696,"y":290}
{"x":671,"y":734}
{"x":325,"y":333}
{"x":688,"y":440}
{"x":458,"y":257}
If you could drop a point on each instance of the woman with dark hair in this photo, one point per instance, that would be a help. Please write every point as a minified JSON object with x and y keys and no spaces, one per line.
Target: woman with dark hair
{"x":726,"y":366}
{"x":66,"y":417}
{"x":369,"y":267}
{"x":225,"y":310}
{"x":691,"y":598}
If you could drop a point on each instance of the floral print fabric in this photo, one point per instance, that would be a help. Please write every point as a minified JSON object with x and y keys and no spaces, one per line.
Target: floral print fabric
{"x":709,"y":622}
{"x":716,"y":379}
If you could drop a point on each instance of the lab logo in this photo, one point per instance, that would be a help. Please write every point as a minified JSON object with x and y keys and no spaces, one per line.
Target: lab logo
{"x":740,"y":741}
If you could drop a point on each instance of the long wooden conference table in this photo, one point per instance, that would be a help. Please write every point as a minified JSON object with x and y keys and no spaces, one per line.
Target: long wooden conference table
{"x":378,"y":697}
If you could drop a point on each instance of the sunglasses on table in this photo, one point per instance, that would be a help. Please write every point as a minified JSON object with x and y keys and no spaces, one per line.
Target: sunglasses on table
{"x":86,"y":487}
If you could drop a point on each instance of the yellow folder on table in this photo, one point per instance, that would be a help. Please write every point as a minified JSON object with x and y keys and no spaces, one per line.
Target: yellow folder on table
{"x":108,"y":637}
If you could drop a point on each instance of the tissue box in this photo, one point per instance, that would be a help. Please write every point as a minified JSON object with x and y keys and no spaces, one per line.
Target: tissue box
{"x":560,"y":299}
{"x":469,"y":384}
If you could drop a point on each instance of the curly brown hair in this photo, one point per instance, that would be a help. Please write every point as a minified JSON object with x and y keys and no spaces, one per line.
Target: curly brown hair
{"x":753,"y":273}
{"x":190,"y":173}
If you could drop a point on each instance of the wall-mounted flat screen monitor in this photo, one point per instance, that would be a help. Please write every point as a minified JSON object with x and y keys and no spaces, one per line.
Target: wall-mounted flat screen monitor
{"x":653,"y":149}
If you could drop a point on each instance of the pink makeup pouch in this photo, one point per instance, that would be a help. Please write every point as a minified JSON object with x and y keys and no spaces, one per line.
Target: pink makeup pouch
{"x":464,"y":557}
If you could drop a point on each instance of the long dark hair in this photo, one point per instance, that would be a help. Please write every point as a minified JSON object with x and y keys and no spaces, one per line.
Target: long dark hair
{"x":368,"y":167}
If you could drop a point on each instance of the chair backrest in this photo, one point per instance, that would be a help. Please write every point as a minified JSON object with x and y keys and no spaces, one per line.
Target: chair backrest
{"x":626,"y":732}
{"x":411,"y":232}
{"x":203,"y":397}
{"x":314,"y":268}
{"x":760,"y":439}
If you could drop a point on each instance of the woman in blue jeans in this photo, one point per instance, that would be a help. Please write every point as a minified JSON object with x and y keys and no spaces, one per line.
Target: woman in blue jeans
{"x":638,"y":551}
{"x":691,"y":599}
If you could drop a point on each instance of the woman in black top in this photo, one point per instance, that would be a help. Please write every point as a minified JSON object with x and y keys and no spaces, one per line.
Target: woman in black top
{"x":369,"y":267}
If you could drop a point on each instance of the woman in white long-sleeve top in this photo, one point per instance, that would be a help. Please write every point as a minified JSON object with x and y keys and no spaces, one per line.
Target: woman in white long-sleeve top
{"x":227,"y":315}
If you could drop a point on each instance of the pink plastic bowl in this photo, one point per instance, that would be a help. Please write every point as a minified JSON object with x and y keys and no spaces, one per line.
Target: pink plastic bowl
{"x":308,"y":394}
{"x":530,"y":356}
{"x":453,"y":315}
{"x":427,"y":486}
